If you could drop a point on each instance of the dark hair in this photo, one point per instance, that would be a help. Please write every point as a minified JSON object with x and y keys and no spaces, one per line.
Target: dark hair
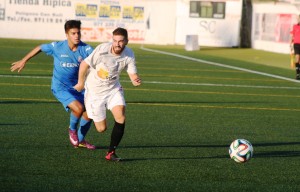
{"x":72,"y":24}
{"x":121,"y":31}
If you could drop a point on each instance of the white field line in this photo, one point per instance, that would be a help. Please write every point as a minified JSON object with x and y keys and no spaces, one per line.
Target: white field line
{"x":173,"y":83}
{"x":220,"y":85}
{"x":220,"y":65}
{"x":27,"y":76}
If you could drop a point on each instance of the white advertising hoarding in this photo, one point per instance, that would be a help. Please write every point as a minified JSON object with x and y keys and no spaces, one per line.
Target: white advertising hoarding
{"x":44,"y":19}
{"x":41,"y":19}
{"x":271,"y":26}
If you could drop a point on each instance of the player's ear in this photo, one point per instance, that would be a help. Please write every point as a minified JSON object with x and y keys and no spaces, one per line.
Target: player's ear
{"x":67,"y":34}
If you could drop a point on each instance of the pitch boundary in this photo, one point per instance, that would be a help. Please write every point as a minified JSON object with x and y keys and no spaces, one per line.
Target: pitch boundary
{"x":220,"y":64}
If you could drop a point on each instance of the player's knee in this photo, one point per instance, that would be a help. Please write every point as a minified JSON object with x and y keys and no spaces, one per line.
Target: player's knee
{"x":101,"y":128}
{"x":77,"y":109}
{"x":120,"y":119}
{"x":80,"y":109}
{"x":85,"y":116}
{"x":77,"y":113}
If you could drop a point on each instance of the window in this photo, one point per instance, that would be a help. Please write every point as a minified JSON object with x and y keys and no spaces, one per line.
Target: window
{"x":207,"y":9}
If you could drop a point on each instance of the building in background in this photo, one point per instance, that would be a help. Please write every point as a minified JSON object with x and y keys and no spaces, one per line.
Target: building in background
{"x":216,"y":22}
{"x":166,"y":22}
{"x":271,"y":25}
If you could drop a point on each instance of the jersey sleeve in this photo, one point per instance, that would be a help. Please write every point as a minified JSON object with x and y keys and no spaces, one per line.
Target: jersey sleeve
{"x":88,"y":50}
{"x":93,"y":57}
{"x":48,"y":48}
{"x":131,"y":66}
{"x":130,"y":62}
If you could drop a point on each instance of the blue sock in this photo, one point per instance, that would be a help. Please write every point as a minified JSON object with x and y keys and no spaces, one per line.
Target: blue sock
{"x":83,"y":129}
{"x":73,"y":122}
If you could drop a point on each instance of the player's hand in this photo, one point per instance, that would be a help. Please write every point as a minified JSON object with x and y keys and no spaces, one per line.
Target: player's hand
{"x":137,"y":82}
{"x":19,"y":65}
{"x":79,"y":87}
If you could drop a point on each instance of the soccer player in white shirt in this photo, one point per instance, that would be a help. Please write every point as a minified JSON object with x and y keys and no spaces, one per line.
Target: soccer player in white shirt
{"x":99,"y":74}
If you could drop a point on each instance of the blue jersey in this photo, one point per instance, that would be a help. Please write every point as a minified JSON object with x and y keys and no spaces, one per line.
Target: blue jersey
{"x":66,"y":62}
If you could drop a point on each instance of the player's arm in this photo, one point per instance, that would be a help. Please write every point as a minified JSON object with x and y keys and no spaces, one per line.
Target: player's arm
{"x":135,"y":79}
{"x":83,"y":69}
{"x":19,"y":65}
{"x":292,"y":33}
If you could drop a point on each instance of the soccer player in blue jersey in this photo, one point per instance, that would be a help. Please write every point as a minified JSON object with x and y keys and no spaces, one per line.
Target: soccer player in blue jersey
{"x":67,"y":55}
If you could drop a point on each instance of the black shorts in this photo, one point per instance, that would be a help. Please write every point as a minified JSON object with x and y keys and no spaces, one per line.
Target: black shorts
{"x":297,"y":49}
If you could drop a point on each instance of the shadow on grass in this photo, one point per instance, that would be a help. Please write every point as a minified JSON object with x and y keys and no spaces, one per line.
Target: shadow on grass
{"x":277,"y":154}
{"x":258,"y":154}
{"x":175,"y":158}
{"x":213,"y":146}
{"x":13,"y":124}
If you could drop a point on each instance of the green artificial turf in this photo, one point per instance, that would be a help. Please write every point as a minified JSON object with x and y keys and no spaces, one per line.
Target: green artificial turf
{"x":179,"y":125}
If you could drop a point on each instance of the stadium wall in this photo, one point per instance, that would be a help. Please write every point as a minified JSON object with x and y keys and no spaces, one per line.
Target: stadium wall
{"x":44,"y":19}
{"x":148,"y":21}
{"x":219,"y":32}
{"x":271,"y":26}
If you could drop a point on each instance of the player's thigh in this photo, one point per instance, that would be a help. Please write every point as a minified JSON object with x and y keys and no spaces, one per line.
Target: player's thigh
{"x":116,"y":104}
{"x":67,"y":96}
{"x":118,"y":112}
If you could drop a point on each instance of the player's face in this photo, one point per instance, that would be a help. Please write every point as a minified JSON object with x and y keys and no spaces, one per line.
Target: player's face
{"x":73,"y":36}
{"x":119,"y":43}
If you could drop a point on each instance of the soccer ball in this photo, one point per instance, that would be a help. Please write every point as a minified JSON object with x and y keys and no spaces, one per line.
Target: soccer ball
{"x":241,"y":150}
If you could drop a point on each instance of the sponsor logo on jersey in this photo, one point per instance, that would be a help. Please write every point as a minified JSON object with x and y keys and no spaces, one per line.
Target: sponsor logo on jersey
{"x":103,"y":53}
{"x":102,"y":73}
{"x":69,"y":65}
{"x":64,"y":55}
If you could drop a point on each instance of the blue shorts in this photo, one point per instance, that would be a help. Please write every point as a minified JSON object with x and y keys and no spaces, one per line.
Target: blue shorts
{"x":67,"y":96}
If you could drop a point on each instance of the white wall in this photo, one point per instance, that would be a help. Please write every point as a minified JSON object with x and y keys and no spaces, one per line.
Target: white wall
{"x":211,"y":32}
{"x":271,"y":26}
{"x":169,"y":21}
{"x":33,"y":20}
{"x":41,"y":19}
{"x":161,"y":15}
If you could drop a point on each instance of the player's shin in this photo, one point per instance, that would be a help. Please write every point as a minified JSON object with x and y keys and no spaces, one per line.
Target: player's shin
{"x":73,"y":122}
{"x":116,"y":135}
{"x":83,"y":128}
{"x":297,"y":70}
